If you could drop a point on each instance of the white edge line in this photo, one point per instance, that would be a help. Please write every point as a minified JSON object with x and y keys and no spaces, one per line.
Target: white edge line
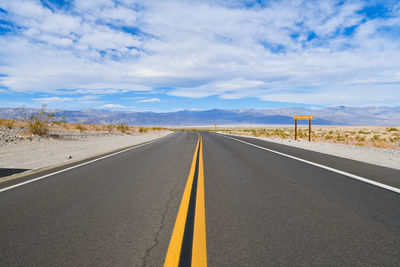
{"x":79,"y":165}
{"x":362,"y":179}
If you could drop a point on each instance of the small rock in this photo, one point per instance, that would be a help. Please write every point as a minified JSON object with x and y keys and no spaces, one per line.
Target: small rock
{"x":70,"y":157}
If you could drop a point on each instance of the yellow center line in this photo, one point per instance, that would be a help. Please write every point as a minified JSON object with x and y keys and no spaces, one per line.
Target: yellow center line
{"x":199,"y":253}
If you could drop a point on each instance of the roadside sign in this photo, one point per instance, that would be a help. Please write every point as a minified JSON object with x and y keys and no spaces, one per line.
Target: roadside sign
{"x":303,"y":117}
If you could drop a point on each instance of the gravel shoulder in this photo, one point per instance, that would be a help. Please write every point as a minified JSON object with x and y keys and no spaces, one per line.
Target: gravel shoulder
{"x":51,"y":151}
{"x":377,"y":156}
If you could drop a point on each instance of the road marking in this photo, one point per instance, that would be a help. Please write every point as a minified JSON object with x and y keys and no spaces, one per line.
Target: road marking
{"x":79,"y":165}
{"x":199,"y":253}
{"x":187,"y":245}
{"x":175,"y":244}
{"x":359,"y":178}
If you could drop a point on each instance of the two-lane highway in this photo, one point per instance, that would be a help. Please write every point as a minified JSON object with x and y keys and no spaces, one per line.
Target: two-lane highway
{"x":226,"y":202}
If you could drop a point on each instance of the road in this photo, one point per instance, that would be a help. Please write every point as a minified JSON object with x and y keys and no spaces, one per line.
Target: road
{"x":207,"y":198}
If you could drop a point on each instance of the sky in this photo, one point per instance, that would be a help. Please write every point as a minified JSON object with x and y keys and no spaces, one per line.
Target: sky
{"x":196,"y":55}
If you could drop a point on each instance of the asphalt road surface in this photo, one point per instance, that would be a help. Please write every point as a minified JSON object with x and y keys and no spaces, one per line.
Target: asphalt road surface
{"x":190,"y":200}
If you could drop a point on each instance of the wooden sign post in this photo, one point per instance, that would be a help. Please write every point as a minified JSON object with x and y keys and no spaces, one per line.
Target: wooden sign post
{"x":303,"y":117}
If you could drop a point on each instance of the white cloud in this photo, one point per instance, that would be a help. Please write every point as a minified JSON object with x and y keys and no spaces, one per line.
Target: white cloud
{"x":113,"y":106}
{"x":134,"y":98}
{"x":70,"y":102}
{"x":150,"y":100}
{"x":54,"y":99}
{"x":204,"y":48}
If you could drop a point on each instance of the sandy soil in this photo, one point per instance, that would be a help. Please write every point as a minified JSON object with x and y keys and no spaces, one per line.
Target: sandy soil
{"x":373,"y":155}
{"x":50,"y":152}
{"x":364,"y":136}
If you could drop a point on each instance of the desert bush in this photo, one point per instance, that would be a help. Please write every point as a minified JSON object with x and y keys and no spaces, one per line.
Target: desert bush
{"x":39,"y":122}
{"x":376,"y":137}
{"x":123,"y":127}
{"x":392,"y":129}
{"x":96,"y":127}
{"x":143,"y":130}
{"x":80,"y":127}
{"x":110,"y":127}
{"x":302,"y":133}
{"x":254,"y":132}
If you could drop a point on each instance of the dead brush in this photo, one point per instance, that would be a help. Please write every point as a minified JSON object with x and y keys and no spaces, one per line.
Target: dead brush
{"x":143,"y":129}
{"x":110,"y":128}
{"x":80,"y":127}
{"x":123,"y":127}
{"x":40,"y":121}
{"x":393,"y":129}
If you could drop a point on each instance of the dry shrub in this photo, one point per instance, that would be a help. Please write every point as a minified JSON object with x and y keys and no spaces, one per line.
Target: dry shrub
{"x":143,"y":130}
{"x":123,"y":127}
{"x":80,"y":127}
{"x":40,"y":121}
{"x":110,"y":128}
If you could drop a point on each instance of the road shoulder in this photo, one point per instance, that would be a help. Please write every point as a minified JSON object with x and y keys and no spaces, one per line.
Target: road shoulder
{"x":86,"y":155}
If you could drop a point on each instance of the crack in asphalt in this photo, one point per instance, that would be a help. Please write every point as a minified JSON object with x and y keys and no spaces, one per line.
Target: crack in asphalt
{"x":148,"y":250}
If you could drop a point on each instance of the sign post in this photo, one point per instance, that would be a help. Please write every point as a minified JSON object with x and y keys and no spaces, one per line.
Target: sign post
{"x":303,"y":117}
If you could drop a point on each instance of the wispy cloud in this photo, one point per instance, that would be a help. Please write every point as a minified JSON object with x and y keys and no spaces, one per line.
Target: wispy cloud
{"x":86,"y":99}
{"x":54,"y":99}
{"x":135,"y":98}
{"x":114,"y":106}
{"x":150,"y":100}
{"x":315,"y":52}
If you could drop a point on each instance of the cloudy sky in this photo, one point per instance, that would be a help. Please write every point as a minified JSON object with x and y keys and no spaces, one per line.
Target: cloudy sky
{"x":174,"y":55}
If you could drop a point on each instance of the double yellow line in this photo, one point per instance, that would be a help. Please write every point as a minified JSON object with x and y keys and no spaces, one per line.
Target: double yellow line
{"x":188,"y":241}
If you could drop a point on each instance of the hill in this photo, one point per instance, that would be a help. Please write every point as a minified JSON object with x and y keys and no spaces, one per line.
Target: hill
{"x":328,"y":116}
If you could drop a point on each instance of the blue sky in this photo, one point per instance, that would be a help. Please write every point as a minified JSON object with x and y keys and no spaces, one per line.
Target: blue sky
{"x":175,"y":55}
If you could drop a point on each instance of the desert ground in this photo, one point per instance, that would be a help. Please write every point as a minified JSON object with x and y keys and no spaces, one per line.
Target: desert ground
{"x":65,"y":142}
{"x":370,"y":144}
{"x":364,"y":136}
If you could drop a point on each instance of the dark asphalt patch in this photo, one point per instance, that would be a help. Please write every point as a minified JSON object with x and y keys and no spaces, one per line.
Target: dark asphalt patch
{"x":4,"y":172}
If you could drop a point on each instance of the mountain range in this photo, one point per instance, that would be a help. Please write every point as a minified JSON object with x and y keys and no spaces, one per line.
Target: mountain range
{"x":340,"y":115}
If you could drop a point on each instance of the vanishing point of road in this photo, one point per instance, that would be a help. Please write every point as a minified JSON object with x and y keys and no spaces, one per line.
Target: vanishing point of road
{"x":192,"y":199}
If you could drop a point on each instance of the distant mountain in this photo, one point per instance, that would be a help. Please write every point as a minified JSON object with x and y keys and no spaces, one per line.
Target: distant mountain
{"x":328,"y":116}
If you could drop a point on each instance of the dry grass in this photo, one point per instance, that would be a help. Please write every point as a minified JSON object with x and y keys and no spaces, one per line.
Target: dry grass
{"x":13,"y":124}
{"x":369,"y":136}
{"x":40,"y":127}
